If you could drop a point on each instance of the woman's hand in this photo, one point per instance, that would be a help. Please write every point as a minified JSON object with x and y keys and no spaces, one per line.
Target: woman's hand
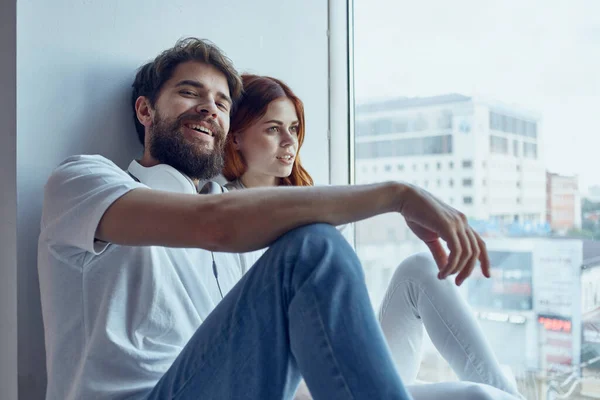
{"x":431,"y":220}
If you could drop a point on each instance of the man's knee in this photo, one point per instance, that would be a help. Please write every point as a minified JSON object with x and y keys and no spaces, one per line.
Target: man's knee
{"x":314,"y":236}
{"x":313,"y":243}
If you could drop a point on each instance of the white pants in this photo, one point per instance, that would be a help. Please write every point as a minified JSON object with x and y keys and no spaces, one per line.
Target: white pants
{"x":417,"y":299}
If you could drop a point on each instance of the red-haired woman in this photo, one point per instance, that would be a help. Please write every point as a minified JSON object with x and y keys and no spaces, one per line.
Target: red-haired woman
{"x":267,"y":131}
{"x":266,"y":134}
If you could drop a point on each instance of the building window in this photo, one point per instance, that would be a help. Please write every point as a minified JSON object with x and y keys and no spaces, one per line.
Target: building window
{"x":388,"y":168}
{"x":467,"y":182}
{"x":439,"y":182}
{"x":504,"y":123}
{"x":374,"y":168}
{"x":498,"y":145}
{"x":414,"y":167}
{"x":530,"y":150}
{"x":451,"y":183}
{"x":467,"y":163}
{"x":451,"y":164}
{"x":404,"y":147}
{"x":467,"y":200}
{"x":516,"y":148}
{"x":400,"y":167}
{"x":439,"y":166}
{"x":426,"y":167}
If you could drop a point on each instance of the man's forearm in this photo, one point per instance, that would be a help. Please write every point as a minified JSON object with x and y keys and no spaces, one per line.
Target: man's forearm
{"x":239,"y":221}
{"x":253,"y":218}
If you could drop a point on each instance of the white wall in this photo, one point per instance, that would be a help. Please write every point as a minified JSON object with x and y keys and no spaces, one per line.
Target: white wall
{"x":8,"y":202}
{"x":75,"y":63}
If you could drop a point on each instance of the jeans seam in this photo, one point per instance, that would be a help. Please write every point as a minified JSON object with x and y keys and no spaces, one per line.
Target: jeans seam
{"x":418,"y":285}
{"x":327,"y":342}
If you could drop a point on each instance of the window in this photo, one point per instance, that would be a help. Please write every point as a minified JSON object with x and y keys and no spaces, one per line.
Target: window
{"x":498,"y":145}
{"x":400,"y":167}
{"x":419,"y":146}
{"x":530,"y":150}
{"x":425,"y":112}
{"x":388,"y":168}
{"x":509,"y":124}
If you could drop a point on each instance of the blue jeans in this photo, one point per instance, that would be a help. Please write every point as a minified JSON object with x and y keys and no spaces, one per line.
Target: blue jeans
{"x":301,"y":310}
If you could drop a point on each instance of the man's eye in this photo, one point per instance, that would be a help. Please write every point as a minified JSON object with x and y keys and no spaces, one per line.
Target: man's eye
{"x":222,"y":106}
{"x":188,"y":93}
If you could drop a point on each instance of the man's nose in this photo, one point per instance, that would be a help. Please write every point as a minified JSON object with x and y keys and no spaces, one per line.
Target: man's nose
{"x":208,"y":107}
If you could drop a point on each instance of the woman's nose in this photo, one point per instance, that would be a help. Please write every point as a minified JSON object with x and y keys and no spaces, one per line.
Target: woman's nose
{"x":288,"y":138}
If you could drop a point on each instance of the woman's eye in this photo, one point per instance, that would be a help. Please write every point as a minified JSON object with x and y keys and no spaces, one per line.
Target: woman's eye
{"x":273,"y":129}
{"x":294,"y":129}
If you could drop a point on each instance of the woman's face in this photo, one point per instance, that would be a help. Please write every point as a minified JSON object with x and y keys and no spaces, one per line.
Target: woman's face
{"x":269,"y":146}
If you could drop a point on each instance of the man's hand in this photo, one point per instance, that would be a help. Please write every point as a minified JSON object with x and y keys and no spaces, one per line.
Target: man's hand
{"x":432,"y":220}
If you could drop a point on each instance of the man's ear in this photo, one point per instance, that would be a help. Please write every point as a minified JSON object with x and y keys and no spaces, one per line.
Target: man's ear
{"x":143,"y":111}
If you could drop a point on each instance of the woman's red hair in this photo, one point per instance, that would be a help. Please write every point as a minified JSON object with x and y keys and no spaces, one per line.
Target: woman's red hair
{"x":259,"y":92}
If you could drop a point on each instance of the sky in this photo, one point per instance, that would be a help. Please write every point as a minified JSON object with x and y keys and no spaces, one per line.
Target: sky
{"x":540,"y":55}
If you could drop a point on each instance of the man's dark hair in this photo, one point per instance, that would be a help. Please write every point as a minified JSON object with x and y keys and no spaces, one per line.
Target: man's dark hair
{"x":151,"y":77}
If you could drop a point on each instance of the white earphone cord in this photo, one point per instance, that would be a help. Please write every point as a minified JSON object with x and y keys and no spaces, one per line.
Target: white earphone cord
{"x":214,"y":265}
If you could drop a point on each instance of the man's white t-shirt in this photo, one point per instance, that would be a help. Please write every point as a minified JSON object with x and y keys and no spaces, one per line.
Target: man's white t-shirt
{"x":115,"y":317}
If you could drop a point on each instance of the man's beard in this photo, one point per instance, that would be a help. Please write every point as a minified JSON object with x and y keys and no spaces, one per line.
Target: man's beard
{"x":169,"y":146}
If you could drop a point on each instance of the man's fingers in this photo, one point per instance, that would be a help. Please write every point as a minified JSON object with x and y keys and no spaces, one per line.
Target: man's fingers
{"x":484,"y":258}
{"x":439,"y":253}
{"x":454,"y":245}
{"x":471,"y":261}
{"x":465,"y":254}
